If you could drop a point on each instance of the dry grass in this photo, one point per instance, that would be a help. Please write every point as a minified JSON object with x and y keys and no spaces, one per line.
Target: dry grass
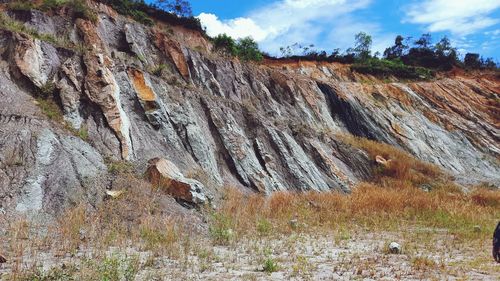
{"x":139,"y":219}
{"x":369,"y":206}
{"x":392,"y":201}
{"x":402,"y":166}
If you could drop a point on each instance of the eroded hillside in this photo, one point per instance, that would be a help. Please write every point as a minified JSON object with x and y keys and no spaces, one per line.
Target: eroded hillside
{"x":80,"y":97}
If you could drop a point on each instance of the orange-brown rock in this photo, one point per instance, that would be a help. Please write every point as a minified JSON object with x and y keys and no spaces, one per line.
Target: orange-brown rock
{"x":101,"y":86}
{"x":174,"y":51}
{"x":165,"y":176}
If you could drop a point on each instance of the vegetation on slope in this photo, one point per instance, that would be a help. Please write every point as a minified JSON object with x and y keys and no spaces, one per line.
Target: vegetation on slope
{"x":393,"y":200}
{"x":78,"y":8}
{"x":246,"y":48}
{"x":407,"y":58}
{"x":175,"y":12}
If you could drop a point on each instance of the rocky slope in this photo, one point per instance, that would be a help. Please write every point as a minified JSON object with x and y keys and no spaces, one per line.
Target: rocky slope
{"x":135,"y":93}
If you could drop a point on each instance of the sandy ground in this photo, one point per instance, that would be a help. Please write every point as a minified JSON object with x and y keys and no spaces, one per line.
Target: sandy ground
{"x":427,"y":254}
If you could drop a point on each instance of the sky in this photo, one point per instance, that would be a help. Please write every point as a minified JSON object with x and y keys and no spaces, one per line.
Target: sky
{"x":472,"y":25}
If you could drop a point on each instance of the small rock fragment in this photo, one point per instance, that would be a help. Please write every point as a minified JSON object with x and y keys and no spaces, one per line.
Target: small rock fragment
{"x":394,"y":248}
{"x":477,"y":228}
{"x":293,"y":223}
{"x":382,"y":161}
{"x":114,"y":193}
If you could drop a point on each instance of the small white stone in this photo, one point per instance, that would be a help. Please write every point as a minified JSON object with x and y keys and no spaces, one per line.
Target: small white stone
{"x":395,"y":248}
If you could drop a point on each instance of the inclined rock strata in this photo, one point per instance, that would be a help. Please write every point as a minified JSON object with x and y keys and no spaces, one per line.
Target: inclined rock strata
{"x":142,"y":93}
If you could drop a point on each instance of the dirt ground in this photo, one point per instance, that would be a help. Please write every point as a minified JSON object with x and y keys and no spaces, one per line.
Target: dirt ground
{"x":427,"y":254}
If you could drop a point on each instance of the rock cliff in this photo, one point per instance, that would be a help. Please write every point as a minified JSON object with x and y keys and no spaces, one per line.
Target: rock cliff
{"x":128,"y":92}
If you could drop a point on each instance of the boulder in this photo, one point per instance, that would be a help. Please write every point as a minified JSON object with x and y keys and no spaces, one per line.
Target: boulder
{"x":165,"y":176}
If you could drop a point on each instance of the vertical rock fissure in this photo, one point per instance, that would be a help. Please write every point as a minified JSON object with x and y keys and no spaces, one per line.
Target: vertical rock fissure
{"x":260,"y":158}
{"x":222,"y":150}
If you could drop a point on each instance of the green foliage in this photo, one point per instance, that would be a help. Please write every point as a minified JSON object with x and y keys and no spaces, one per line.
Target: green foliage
{"x":142,"y":12}
{"x":297,"y":49}
{"x":225,"y":43}
{"x":47,"y":90}
{"x":397,"y":50}
{"x":130,"y":8}
{"x":48,"y":5}
{"x":270,"y":265}
{"x":158,"y":70}
{"x":50,"y":108}
{"x":141,"y":17}
{"x":12,"y":25}
{"x":114,"y":268}
{"x":83,"y":133}
{"x":158,"y":238}
{"x":21,"y":5}
{"x":248,"y":50}
{"x":55,"y":274}
{"x":362,"y":47}
{"x":120,"y":167}
{"x":387,"y":68}
{"x":475,"y":61}
{"x":263,"y":226}
{"x":79,"y":8}
{"x":221,"y":229}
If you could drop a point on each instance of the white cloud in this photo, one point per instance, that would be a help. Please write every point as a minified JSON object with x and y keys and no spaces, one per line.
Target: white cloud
{"x":236,"y":28}
{"x":285,"y":22}
{"x":457,"y":16}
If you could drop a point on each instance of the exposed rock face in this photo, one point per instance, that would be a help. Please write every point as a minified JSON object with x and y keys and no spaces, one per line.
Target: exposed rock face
{"x":165,"y":176}
{"x":143,"y":93}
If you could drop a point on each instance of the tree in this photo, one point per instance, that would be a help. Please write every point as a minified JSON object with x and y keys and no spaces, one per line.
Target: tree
{"x":363,"y":44}
{"x":248,"y":49}
{"x":425,"y":41}
{"x":181,"y":8}
{"x":297,"y":49}
{"x":444,"y":48}
{"x":472,"y":61}
{"x":489,"y":63}
{"x":446,"y":54}
{"x":398,"y":50}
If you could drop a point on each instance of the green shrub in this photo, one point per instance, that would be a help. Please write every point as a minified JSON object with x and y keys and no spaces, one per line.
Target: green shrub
{"x":248,"y":50}
{"x":120,"y":167}
{"x":114,"y":268}
{"x":141,"y":17}
{"x":385,"y":68}
{"x":50,"y":108}
{"x":263,"y":226}
{"x":158,"y":70}
{"x":81,"y":10}
{"x":83,"y":133}
{"x":21,"y":5}
{"x":48,"y":5}
{"x":142,"y":12}
{"x":270,"y":265}
{"x":221,"y":229}
{"x":225,"y":43}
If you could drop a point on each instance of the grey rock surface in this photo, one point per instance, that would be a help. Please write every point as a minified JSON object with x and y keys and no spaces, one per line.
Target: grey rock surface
{"x":141,"y":92}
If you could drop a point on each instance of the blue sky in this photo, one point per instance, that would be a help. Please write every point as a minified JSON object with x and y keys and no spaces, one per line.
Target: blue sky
{"x":472,"y":25}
